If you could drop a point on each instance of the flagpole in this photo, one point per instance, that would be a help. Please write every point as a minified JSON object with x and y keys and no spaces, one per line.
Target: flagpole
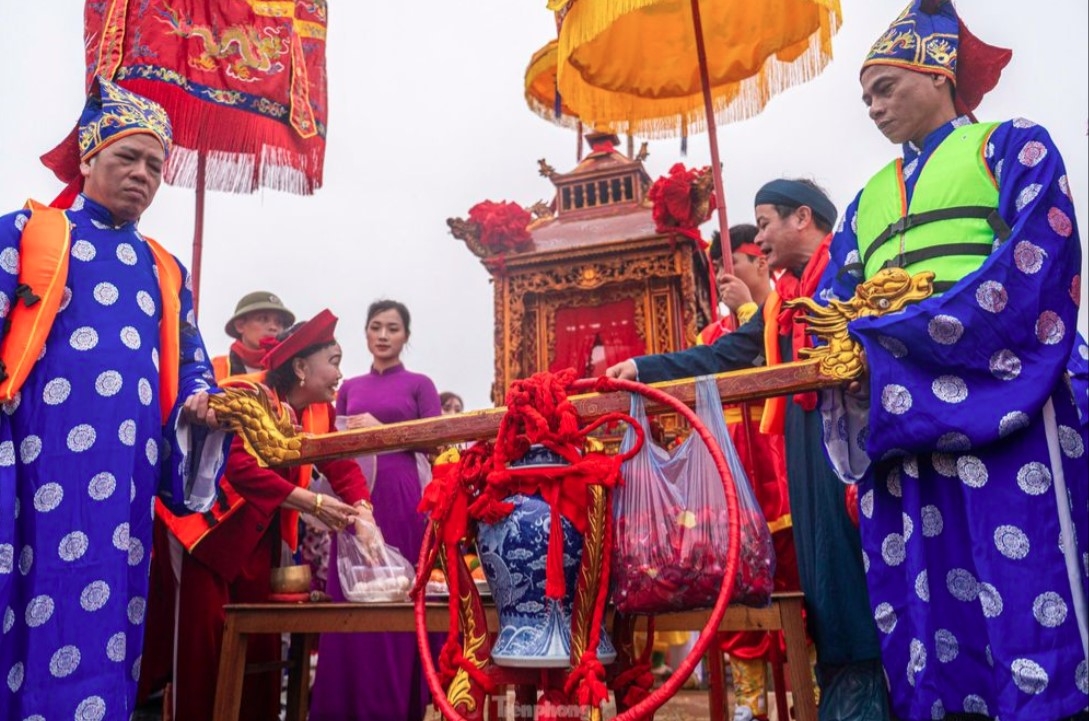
{"x":198,"y":233}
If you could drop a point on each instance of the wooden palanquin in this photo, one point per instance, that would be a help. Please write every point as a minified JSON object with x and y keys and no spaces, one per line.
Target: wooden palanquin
{"x":599,"y":283}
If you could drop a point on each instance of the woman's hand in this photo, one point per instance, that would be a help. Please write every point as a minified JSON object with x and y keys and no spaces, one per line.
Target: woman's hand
{"x":333,"y":513}
{"x":367,"y":530}
{"x":362,"y":420}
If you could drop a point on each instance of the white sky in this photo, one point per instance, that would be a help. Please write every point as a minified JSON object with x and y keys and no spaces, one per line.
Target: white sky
{"x":427,"y":118}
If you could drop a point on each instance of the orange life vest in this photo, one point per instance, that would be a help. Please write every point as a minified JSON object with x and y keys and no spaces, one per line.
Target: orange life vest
{"x":221,"y":366}
{"x":193,"y":528}
{"x":43,"y":270}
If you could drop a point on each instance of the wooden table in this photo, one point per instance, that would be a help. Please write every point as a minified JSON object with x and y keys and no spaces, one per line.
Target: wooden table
{"x":306,"y":620}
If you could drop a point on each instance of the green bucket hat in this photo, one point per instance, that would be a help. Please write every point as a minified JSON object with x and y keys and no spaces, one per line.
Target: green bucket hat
{"x":257,"y":300}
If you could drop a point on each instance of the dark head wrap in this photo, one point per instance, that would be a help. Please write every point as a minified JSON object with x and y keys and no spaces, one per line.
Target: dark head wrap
{"x":794,"y":194}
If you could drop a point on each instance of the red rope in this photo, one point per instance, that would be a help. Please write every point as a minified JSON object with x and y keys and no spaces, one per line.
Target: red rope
{"x":587,"y":680}
{"x":539,"y":412}
{"x":638,"y":678}
{"x":646,"y":708}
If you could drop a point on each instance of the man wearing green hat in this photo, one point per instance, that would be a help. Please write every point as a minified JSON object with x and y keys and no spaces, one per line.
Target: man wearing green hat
{"x":257,"y":316}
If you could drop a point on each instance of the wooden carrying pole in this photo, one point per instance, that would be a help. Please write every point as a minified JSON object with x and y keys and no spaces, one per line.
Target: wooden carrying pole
{"x":429,"y":433}
{"x":269,"y":436}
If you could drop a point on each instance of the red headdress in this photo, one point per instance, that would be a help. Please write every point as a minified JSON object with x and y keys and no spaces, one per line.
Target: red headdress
{"x":319,"y":330}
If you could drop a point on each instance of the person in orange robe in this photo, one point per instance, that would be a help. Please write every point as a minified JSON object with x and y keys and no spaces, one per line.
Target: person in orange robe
{"x":744,"y":292}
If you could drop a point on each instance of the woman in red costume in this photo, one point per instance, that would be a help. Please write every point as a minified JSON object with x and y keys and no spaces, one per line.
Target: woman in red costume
{"x":230,"y":560}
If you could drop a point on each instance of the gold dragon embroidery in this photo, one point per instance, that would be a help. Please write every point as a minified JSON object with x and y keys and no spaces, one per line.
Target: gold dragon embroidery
{"x":246,"y":52}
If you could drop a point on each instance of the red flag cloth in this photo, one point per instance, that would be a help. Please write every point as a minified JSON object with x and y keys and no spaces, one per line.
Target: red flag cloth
{"x":244,"y":84}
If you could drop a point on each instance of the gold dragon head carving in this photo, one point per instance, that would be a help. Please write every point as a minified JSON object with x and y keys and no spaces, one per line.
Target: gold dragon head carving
{"x":252,"y":411}
{"x":888,"y":291}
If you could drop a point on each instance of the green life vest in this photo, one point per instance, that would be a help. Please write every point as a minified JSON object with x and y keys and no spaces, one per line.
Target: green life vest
{"x":952,"y":222}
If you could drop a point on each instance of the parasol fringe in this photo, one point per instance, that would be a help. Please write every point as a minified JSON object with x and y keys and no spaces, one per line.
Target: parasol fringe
{"x":262,"y":161}
{"x":594,"y":18}
{"x":740,"y":101}
{"x":548,"y":112}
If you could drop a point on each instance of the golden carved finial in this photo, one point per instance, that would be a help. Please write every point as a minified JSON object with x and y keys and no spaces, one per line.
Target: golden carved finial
{"x":544,"y":169}
{"x":540,"y":210}
{"x":703,"y":187}
{"x":644,"y":152}
{"x":887,"y":292}
{"x":251,"y":411}
{"x":469,"y":233}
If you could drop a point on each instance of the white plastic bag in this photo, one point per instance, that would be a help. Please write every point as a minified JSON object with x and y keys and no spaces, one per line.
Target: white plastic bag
{"x":372,"y":574}
{"x":368,"y":463}
{"x":423,"y":470}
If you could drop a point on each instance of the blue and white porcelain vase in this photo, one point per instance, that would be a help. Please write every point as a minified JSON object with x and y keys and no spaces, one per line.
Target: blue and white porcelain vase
{"x":534,"y":630}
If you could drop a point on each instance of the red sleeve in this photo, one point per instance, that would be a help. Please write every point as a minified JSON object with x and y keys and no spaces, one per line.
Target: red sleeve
{"x":344,"y":474}
{"x":263,"y":488}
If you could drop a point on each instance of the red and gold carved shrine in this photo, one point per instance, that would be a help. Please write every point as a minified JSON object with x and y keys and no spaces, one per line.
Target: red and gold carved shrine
{"x":595,"y":283}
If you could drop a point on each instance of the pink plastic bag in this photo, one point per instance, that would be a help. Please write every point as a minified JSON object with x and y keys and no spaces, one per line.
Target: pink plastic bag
{"x":648,"y":538}
{"x":707,"y":529}
{"x":672,"y":523}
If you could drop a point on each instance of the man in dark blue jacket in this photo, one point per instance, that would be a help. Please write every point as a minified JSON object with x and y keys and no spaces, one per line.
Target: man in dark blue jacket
{"x":795,"y":218}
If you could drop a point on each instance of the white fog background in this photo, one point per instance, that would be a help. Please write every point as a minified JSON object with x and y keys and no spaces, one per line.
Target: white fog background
{"x":427,"y":118}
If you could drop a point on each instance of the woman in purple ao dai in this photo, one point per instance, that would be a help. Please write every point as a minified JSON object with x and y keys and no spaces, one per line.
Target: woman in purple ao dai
{"x":380,"y":676}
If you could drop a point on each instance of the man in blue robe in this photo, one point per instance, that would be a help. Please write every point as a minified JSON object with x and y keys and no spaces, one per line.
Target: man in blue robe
{"x":965,"y":440}
{"x":100,"y":425}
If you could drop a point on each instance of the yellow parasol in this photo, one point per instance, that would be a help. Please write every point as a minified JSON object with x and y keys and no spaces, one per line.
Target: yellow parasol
{"x":541,"y":88}
{"x":645,"y":51}
{"x":641,"y":66}
{"x":626,"y":114}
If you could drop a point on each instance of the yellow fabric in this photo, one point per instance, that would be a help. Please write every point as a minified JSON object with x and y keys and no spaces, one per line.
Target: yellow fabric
{"x":732,"y":414}
{"x":750,"y":684}
{"x":631,"y":65}
{"x":540,"y":84}
{"x":663,"y":640}
{"x":781,"y":523}
{"x":746,"y":311}
{"x":774,"y":417}
{"x":449,"y":455}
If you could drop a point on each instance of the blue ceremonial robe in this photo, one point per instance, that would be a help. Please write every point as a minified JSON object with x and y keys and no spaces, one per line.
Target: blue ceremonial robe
{"x":970,"y":459}
{"x":83,"y":452}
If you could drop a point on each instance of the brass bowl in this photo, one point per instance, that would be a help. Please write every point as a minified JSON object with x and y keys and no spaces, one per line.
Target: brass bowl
{"x":290,"y":579}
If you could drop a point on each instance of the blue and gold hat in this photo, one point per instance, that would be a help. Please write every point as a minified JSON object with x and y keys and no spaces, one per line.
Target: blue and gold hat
{"x":112,"y":113}
{"x":921,"y":41}
{"x":929,"y":37}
